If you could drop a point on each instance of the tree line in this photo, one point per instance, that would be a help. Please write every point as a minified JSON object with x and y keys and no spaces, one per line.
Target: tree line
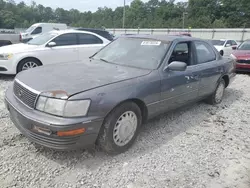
{"x":151,"y":14}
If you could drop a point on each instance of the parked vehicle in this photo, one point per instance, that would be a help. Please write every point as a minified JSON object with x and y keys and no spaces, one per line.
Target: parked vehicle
{"x":40,"y":28}
{"x":106,"y":99}
{"x":181,"y":34}
{"x":8,"y":39}
{"x":100,"y":32}
{"x":225,"y":47}
{"x":242,"y":56}
{"x":53,"y":47}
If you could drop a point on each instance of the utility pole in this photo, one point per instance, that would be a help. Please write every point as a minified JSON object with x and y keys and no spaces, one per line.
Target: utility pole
{"x":183,"y":19}
{"x":124,"y":14}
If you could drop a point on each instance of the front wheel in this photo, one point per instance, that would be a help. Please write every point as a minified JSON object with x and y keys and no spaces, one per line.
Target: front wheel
{"x":28,"y":64}
{"x":217,"y":96}
{"x":120,"y":128}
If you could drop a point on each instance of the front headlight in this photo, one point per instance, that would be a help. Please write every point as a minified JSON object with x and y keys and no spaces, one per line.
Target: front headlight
{"x":63,"y":108}
{"x":6,"y":56}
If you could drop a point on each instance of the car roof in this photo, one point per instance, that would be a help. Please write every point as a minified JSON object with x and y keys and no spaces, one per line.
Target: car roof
{"x":43,"y":23}
{"x":71,"y":31}
{"x":90,"y":29}
{"x":167,"y":38}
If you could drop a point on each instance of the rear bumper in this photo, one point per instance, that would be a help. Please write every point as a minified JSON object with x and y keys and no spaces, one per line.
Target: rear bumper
{"x":26,"y":120}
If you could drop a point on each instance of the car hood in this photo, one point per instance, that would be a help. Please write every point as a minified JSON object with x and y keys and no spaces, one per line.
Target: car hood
{"x":17,"y":48}
{"x":72,"y":78}
{"x":242,"y":54}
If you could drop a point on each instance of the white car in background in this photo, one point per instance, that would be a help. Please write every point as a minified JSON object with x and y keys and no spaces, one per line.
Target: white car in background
{"x":40,"y":28}
{"x":53,"y":47}
{"x":224,"y":46}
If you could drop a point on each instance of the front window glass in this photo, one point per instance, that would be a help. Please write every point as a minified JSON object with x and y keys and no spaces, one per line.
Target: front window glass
{"x":38,"y":30}
{"x":67,"y":39}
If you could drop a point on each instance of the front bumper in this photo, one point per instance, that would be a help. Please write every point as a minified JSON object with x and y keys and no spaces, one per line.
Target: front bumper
{"x":240,"y":67}
{"x":7,"y":67}
{"x":26,"y":119}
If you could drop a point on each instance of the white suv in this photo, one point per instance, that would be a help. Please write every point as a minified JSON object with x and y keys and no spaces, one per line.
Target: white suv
{"x":224,"y":46}
{"x":53,"y":47}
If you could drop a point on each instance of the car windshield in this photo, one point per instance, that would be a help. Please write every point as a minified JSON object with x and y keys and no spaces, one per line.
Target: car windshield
{"x":218,"y":42}
{"x":135,"y":52}
{"x":245,"y":46}
{"x":42,"y":39}
{"x":30,"y":29}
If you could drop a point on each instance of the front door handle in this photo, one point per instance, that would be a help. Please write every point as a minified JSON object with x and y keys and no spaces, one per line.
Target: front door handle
{"x":220,"y":70}
{"x":194,"y":77}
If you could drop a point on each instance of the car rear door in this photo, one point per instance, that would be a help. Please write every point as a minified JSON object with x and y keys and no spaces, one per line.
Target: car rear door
{"x":88,"y":44}
{"x":228,"y":48}
{"x":180,"y":87}
{"x":209,"y":68}
{"x":66,"y":50}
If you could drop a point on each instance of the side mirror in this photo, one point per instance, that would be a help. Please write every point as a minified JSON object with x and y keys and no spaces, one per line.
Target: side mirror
{"x":221,"y":53}
{"x":176,"y":66}
{"x":228,"y":45}
{"x":234,"y":47}
{"x":51,"y":44}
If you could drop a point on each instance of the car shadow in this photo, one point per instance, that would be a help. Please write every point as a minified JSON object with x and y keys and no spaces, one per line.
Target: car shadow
{"x":7,"y":77}
{"x":243,"y":73}
{"x":153,"y":134}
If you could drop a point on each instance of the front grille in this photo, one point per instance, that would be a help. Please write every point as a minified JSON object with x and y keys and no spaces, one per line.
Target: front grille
{"x":24,"y":95}
{"x":243,"y":61}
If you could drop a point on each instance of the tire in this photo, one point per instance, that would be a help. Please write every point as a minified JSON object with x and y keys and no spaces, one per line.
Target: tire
{"x":109,"y":133}
{"x":222,"y":53}
{"x":28,"y":61}
{"x":216,"y":98}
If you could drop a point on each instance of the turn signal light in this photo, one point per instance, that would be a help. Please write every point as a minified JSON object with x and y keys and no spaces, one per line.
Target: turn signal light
{"x":71,"y":133}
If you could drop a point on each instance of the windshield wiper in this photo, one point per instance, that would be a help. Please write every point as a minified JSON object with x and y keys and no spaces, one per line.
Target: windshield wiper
{"x":104,"y":60}
{"x":101,"y":59}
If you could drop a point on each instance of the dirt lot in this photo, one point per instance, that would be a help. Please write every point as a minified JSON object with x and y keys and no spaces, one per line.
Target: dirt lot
{"x":195,"y":147}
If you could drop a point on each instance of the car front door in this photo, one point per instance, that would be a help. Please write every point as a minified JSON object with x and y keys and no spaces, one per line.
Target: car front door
{"x":88,"y":45}
{"x":180,"y":87}
{"x":234,"y":45}
{"x":209,"y":67}
{"x":65,"y":50}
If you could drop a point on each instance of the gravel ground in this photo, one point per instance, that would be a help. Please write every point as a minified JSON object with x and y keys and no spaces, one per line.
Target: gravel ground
{"x":197,"y":146}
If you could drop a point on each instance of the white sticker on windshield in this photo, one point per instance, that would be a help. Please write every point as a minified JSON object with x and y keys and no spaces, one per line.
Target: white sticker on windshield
{"x":151,"y":43}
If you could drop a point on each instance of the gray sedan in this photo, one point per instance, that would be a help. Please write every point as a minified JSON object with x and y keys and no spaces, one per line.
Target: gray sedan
{"x":104,"y":100}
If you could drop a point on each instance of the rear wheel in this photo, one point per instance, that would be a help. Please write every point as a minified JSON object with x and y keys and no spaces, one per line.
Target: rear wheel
{"x":217,"y":96}
{"x":120,"y":128}
{"x":28,"y":64}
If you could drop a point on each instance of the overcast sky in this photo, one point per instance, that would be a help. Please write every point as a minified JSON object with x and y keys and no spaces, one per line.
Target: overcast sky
{"x":82,"y":5}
